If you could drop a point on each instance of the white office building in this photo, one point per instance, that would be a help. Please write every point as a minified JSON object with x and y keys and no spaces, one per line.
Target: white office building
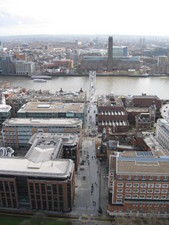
{"x":24,"y":68}
{"x":162,"y":133}
{"x":16,"y":132}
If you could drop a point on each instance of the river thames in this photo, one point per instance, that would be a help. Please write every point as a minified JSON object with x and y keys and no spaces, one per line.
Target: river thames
{"x":104,"y":85}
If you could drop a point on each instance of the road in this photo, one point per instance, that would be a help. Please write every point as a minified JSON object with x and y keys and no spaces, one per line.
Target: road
{"x":87,"y":183}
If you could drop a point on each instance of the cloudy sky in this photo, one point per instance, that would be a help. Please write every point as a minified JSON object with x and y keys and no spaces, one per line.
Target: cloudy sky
{"x":131,"y":17}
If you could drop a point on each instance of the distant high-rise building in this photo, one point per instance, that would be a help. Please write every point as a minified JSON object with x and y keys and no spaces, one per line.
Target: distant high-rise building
{"x":120,"y":51}
{"x":7,"y":66}
{"x":110,"y":54}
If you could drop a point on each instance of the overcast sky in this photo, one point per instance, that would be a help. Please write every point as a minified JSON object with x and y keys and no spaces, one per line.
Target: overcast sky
{"x":128,"y":17}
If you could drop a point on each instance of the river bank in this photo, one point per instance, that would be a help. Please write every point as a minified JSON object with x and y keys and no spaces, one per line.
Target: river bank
{"x":87,"y":74}
{"x":104,"y":84}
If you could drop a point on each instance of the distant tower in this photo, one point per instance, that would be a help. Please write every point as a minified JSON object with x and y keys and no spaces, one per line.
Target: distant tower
{"x":110,"y":54}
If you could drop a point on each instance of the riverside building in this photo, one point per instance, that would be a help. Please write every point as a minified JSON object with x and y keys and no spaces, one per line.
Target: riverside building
{"x":17,"y":100}
{"x":145,"y":100}
{"x":52,"y":110}
{"x":117,"y":59}
{"x":24,"y":68}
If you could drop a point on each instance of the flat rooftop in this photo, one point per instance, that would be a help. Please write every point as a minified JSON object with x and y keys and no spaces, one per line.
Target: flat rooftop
{"x":47,"y":96}
{"x":52,"y":107}
{"x":44,"y":149}
{"x":145,"y":96}
{"x":47,"y":146}
{"x":43,"y":122}
{"x":156,"y":149}
{"x":109,"y":100}
{"x":142,"y":163}
{"x":5,"y":108}
{"x":67,"y":138}
{"x":137,"y":109}
{"x":59,"y":168}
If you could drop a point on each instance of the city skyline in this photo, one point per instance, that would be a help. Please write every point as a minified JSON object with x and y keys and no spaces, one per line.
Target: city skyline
{"x":22,"y":17}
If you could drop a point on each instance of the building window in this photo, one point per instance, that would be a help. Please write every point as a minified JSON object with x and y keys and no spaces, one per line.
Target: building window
{"x":150,"y":185}
{"x":149,"y":196}
{"x":128,"y":196}
{"x":142,"y":196}
{"x":158,"y":178}
{"x":119,"y":190}
{"x":143,"y":178}
{"x":136,"y":185}
{"x":128,"y":177}
{"x":120,"y":177}
{"x":163,"y":197}
{"x":164,"y":185}
{"x":165,"y":178}
{"x":120,"y":184}
{"x":157,"y":191}
{"x":157,"y":185}
{"x":136,"y":178}
{"x":128,"y":184}
{"x":143,"y":185}
{"x":156,"y":197}
{"x":128,"y":190}
{"x":150,"y":191}
{"x":143,"y":191}
{"x":135,"y":190}
{"x":150,"y":177}
{"x":120,"y":210}
{"x":119,"y":196}
{"x":164,"y":191}
{"x":135,"y":196}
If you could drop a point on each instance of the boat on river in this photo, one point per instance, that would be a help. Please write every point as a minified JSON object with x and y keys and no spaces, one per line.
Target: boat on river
{"x":39,"y":80}
{"x":41,"y":77}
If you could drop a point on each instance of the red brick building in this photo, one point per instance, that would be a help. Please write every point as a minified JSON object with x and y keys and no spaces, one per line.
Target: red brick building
{"x":38,"y":181}
{"x":138,"y":184}
{"x":112,"y":114}
{"x":146,"y":101}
